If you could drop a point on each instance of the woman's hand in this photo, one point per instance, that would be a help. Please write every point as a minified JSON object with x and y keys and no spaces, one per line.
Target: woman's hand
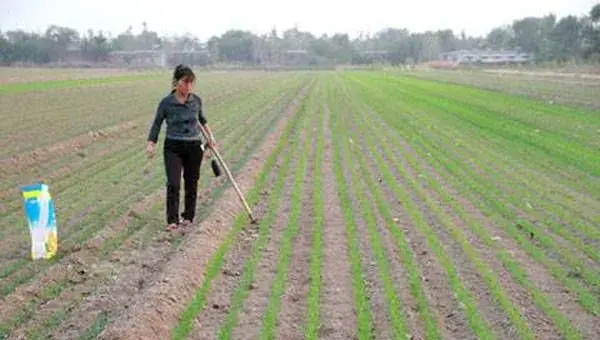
{"x":151,"y":149}
{"x":212,"y":144}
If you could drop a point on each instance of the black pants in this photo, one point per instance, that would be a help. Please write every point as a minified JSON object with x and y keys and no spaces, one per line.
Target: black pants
{"x":187,"y":156}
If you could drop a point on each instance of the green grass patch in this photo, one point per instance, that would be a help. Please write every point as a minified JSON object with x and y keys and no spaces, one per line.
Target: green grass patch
{"x":71,"y":83}
{"x":96,"y":328}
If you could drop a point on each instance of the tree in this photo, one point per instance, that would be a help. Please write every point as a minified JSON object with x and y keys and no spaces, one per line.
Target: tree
{"x":500,"y":38}
{"x":6,"y":47}
{"x":95,"y":46}
{"x":592,"y":34}
{"x":126,"y":40}
{"x":595,"y":14}
{"x":341,"y":51}
{"x":61,"y":39}
{"x":566,"y":37}
{"x":213,"y":47}
{"x":26,"y":47}
{"x":447,"y":41}
{"x":396,"y":42}
{"x":570,"y":38}
{"x":236,"y":45}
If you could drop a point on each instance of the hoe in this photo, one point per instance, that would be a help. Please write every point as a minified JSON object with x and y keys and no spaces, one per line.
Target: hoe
{"x":217,"y":172}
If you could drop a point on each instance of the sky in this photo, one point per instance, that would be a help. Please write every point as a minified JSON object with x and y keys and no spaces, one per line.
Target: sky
{"x":207,"y":18}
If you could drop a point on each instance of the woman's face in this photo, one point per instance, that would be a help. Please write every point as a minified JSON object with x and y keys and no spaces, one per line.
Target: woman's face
{"x":185,"y":85}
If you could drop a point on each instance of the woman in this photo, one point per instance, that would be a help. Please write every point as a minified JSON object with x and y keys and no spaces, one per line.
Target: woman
{"x":182,"y":111}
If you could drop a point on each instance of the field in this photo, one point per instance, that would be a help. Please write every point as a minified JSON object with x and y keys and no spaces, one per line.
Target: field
{"x":390,"y":205}
{"x":567,"y":88}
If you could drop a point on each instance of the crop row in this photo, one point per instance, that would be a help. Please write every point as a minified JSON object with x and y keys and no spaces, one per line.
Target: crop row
{"x":410,"y":126}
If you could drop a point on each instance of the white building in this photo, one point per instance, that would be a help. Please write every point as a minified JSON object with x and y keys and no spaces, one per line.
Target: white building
{"x":486,"y":57}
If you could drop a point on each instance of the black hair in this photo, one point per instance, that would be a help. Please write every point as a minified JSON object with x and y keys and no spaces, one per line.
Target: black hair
{"x":180,"y":72}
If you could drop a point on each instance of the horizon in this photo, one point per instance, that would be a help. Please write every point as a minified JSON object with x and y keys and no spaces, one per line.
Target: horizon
{"x":36,"y":16}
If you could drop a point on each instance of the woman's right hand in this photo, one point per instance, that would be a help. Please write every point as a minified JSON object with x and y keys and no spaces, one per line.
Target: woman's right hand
{"x":151,"y":149}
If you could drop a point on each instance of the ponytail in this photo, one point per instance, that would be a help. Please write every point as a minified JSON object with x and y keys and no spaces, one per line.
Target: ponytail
{"x":181,"y":71}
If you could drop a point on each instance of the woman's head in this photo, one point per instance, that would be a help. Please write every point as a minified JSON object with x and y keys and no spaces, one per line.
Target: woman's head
{"x":183,"y":79}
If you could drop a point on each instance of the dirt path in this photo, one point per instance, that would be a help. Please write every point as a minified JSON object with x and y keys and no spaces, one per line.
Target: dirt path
{"x":542,"y":73}
{"x":156,"y":310}
{"x":338,"y":314}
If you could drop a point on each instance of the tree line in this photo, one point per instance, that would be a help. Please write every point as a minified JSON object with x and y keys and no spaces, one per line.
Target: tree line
{"x":547,"y":38}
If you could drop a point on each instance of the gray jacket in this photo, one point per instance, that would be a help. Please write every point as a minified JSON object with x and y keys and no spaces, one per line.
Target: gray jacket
{"x":182,"y":119}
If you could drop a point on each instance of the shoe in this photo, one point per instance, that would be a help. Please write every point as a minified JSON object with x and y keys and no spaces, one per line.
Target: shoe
{"x":185,"y":223}
{"x":172,"y":227}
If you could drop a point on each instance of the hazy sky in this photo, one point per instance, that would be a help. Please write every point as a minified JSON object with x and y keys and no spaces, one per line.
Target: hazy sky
{"x":207,"y":18}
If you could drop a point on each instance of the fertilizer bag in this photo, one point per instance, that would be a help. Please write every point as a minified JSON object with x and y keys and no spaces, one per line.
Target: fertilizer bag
{"x":40,"y":214}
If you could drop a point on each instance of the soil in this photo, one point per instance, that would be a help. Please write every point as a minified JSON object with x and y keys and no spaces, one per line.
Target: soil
{"x":491,"y":311}
{"x":80,"y":271}
{"x":19,"y":164}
